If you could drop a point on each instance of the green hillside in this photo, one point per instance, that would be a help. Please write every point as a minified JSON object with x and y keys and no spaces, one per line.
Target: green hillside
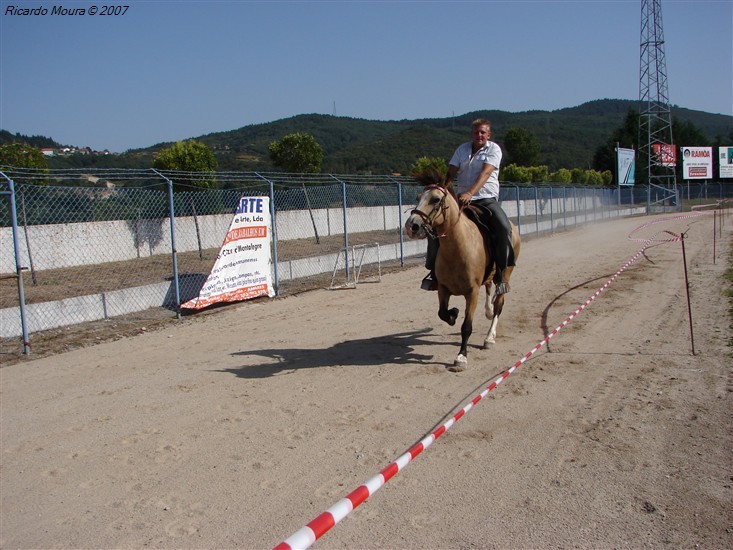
{"x":568,"y":138}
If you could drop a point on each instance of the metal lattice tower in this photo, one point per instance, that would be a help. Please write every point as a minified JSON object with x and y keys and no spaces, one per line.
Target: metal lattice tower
{"x":655,"y":120}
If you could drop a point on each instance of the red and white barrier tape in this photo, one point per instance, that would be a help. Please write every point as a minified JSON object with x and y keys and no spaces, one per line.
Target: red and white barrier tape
{"x":664,"y":220}
{"x":311,"y":532}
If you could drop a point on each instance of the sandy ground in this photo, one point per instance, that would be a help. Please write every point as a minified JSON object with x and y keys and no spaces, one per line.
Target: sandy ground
{"x":235,"y":429}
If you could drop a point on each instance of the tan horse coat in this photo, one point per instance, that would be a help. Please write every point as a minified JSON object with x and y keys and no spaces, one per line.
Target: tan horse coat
{"x":461,"y":264}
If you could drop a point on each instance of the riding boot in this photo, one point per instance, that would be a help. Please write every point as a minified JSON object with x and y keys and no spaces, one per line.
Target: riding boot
{"x":502,"y":286}
{"x":430,"y":282}
{"x":504,"y":257}
{"x":501,"y":230}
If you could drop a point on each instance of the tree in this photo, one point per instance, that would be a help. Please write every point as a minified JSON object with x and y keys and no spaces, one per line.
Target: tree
{"x":686,"y":134}
{"x":22,"y":155}
{"x":626,"y":136}
{"x":516,"y":174}
{"x":578,"y":175}
{"x":521,"y":147}
{"x":299,"y":153}
{"x":540,"y":174}
{"x":189,"y":156}
{"x":563,"y":175}
{"x":594,"y":178}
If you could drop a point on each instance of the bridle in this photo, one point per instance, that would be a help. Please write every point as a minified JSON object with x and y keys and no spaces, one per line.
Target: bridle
{"x":429,"y":218}
{"x":439,"y":208}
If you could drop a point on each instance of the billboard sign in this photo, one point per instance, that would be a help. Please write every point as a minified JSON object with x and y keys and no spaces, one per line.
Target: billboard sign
{"x":697,"y":163}
{"x":243,"y":268}
{"x":725,"y":164}
{"x":666,"y":154}
{"x":625,"y":166}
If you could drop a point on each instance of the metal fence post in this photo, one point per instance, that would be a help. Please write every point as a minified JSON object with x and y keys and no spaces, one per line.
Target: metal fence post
{"x":18,"y":267}
{"x":273,"y":214}
{"x":346,"y":231}
{"x":399,"y":219}
{"x":552,"y":212}
{"x":174,"y":255}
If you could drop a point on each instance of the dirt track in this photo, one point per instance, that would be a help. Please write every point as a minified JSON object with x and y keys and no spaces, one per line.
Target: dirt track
{"x":235,"y":429}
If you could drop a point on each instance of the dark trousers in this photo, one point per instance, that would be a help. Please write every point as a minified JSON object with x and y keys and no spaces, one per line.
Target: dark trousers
{"x":493,"y":217}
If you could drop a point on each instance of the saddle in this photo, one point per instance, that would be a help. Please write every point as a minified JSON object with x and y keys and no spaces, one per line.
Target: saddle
{"x":474,"y":212}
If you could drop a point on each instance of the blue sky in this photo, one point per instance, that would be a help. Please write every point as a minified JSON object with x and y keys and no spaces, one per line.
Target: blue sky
{"x":171,"y":70}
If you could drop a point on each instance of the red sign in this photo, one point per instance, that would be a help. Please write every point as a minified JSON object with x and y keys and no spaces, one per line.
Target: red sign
{"x":666,"y":154}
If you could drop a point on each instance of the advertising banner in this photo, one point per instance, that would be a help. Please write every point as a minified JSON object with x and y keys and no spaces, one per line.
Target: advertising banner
{"x":625,"y":166}
{"x":243,"y":269}
{"x":666,"y":154}
{"x":697,"y":163}
{"x":725,"y":158}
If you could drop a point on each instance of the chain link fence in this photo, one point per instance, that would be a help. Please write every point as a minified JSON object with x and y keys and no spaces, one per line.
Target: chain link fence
{"x":81,"y":246}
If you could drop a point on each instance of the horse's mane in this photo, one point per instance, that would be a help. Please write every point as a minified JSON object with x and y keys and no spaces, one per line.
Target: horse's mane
{"x":435,"y":176}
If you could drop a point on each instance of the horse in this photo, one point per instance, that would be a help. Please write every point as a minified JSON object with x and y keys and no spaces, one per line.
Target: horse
{"x":461,"y":266}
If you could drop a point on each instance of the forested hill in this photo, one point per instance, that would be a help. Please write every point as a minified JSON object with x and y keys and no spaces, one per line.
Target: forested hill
{"x":568,"y":138}
{"x":39,"y":142}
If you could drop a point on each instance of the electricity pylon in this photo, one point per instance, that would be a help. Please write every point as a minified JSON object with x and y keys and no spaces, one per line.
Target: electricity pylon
{"x":656,"y":146}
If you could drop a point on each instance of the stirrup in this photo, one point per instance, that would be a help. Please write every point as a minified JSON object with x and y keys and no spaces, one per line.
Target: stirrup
{"x":502,"y":288}
{"x":429,"y":283}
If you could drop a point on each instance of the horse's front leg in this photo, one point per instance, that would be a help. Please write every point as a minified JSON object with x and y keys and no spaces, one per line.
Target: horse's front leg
{"x":461,"y":360}
{"x":445,"y":314}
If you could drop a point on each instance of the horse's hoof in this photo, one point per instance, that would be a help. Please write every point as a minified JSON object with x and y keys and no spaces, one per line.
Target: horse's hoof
{"x":460,"y":364}
{"x":488,"y":344}
{"x":452,"y":316}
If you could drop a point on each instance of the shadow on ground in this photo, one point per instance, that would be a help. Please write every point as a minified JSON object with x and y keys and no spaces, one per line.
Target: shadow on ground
{"x":392,"y":348}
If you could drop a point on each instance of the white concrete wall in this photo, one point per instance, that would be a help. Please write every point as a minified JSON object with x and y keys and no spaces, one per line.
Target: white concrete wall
{"x":89,"y":243}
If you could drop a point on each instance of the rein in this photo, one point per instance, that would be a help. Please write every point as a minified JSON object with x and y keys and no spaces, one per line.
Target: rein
{"x":441,"y":207}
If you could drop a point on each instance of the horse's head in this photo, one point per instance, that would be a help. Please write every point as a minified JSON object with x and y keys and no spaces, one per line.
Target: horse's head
{"x":429,"y":213}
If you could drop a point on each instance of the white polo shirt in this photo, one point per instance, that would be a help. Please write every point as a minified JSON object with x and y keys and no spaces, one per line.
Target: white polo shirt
{"x":470,"y":166}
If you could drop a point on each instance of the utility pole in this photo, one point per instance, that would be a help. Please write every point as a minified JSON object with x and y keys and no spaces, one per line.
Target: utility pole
{"x":656,"y":146}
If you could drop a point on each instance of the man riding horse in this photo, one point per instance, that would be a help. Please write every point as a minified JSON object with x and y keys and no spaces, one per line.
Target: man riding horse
{"x":475,"y":169}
